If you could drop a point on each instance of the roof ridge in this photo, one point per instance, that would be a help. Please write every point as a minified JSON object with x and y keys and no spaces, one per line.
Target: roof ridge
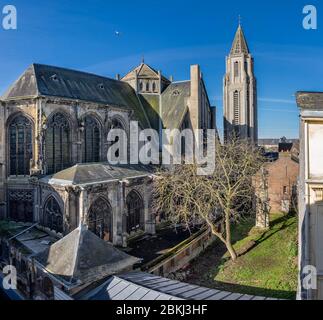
{"x":76,"y":254}
{"x":77,"y":71}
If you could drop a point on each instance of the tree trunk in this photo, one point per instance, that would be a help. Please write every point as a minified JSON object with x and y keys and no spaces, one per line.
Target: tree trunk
{"x":228,"y":235}
{"x":231,"y":251}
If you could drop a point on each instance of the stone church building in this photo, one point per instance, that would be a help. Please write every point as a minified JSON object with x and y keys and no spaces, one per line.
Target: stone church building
{"x":240,"y":92}
{"x":53,"y":144}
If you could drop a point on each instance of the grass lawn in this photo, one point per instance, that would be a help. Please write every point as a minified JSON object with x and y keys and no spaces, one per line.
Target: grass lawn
{"x":268,"y":269}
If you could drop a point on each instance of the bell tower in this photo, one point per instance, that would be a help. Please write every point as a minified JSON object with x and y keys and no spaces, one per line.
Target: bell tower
{"x":240,"y":92}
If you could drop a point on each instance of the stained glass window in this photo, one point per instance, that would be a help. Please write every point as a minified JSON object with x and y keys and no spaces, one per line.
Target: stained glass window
{"x":52,"y":215}
{"x":57,"y":144}
{"x":91,"y":140}
{"x":20,"y":146}
{"x":135,"y":209}
{"x":100,"y":219}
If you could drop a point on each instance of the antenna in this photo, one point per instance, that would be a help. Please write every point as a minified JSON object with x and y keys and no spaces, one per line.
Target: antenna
{"x":143,"y":59}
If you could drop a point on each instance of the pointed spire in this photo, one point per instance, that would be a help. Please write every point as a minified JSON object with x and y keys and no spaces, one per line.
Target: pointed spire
{"x":239,"y":45}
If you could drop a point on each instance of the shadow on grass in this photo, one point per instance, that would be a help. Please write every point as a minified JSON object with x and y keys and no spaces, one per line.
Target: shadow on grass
{"x":254,"y":291}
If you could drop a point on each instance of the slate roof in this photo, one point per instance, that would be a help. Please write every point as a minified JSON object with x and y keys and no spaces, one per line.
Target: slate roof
{"x":86,"y":173}
{"x":43,"y":80}
{"x":83,"y":257}
{"x":239,"y":45}
{"x":309,"y":100}
{"x":144,"y":286}
{"x":174,"y":104}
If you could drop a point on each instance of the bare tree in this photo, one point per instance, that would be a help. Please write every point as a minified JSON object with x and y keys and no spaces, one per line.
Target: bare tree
{"x":217,"y":200}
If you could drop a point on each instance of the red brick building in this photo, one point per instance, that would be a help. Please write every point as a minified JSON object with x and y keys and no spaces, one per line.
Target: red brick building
{"x":283,"y":178}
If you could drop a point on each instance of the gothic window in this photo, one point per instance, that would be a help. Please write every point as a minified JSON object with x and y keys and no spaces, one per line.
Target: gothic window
{"x":91,"y":140}
{"x":100,"y":219}
{"x":52,"y":215}
{"x":154,"y":87}
{"x":147,"y":86}
{"x":236,"y":107}
{"x":135,"y":209}
{"x":20,"y":145}
{"x":236,"y":69}
{"x":116,"y":124}
{"x":141,"y":86}
{"x":21,"y":205}
{"x":57,"y":144}
{"x":48,"y":288}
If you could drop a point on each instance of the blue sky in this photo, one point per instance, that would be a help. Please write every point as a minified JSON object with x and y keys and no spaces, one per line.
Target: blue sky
{"x":172,"y":35}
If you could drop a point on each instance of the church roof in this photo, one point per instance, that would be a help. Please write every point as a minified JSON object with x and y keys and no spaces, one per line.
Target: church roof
{"x":174,"y":104}
{"x":83,"y":257}
{"x":42,"y":80}
{"x":87,"y":173}
{"x":239,"y":45}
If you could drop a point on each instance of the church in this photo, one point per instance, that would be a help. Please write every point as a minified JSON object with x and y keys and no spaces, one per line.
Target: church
{"x":54,"y":125}
{"x":64,"y":210}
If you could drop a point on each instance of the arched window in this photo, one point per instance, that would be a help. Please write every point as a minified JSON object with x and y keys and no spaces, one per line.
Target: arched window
{"x":141,"y":86}
{"x":57,"y":144}
{"x":154,"y":87}
{"x":20,"y":146}
{"x":21,"y":205}
{"x":147,"y":86}
{"x":91,"y":140}
{"x":52,"y":215}
{"x":100,"y":219}
{"x":116,"y":124}
{"x":236,"y":107}
{"x":48,"y":288}
{"x":135,"y":211}
{"x":236,"y":69}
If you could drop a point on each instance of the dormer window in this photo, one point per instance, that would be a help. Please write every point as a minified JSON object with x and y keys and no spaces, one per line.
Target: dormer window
{"x":176,"y":93}
{"x":54,"y":77}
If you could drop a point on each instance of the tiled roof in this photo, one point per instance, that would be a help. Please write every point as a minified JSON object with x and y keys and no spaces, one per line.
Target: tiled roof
{"x":86,"y":173}
{"x":144,"y":286}
{"x":42,"y":80}
{"x":82,"y":256}
{"x":174,"y":104}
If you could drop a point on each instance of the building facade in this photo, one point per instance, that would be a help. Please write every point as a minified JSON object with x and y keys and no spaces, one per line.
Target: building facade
{"x":311,"y":196}
{"x":282,"y":180}
{"x":240,"y":92}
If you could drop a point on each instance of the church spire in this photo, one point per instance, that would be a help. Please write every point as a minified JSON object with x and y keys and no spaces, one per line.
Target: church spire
{"x":239,"y":45}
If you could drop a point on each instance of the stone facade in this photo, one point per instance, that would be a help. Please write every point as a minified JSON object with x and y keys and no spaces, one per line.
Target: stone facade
{"x":310,"y":196}
{"x":240,"y":92}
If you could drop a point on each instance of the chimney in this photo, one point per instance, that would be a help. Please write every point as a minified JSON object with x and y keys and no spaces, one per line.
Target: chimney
{"x":171,"y":79}
{"x":194,"y":105}
{"x":118,"y":77}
